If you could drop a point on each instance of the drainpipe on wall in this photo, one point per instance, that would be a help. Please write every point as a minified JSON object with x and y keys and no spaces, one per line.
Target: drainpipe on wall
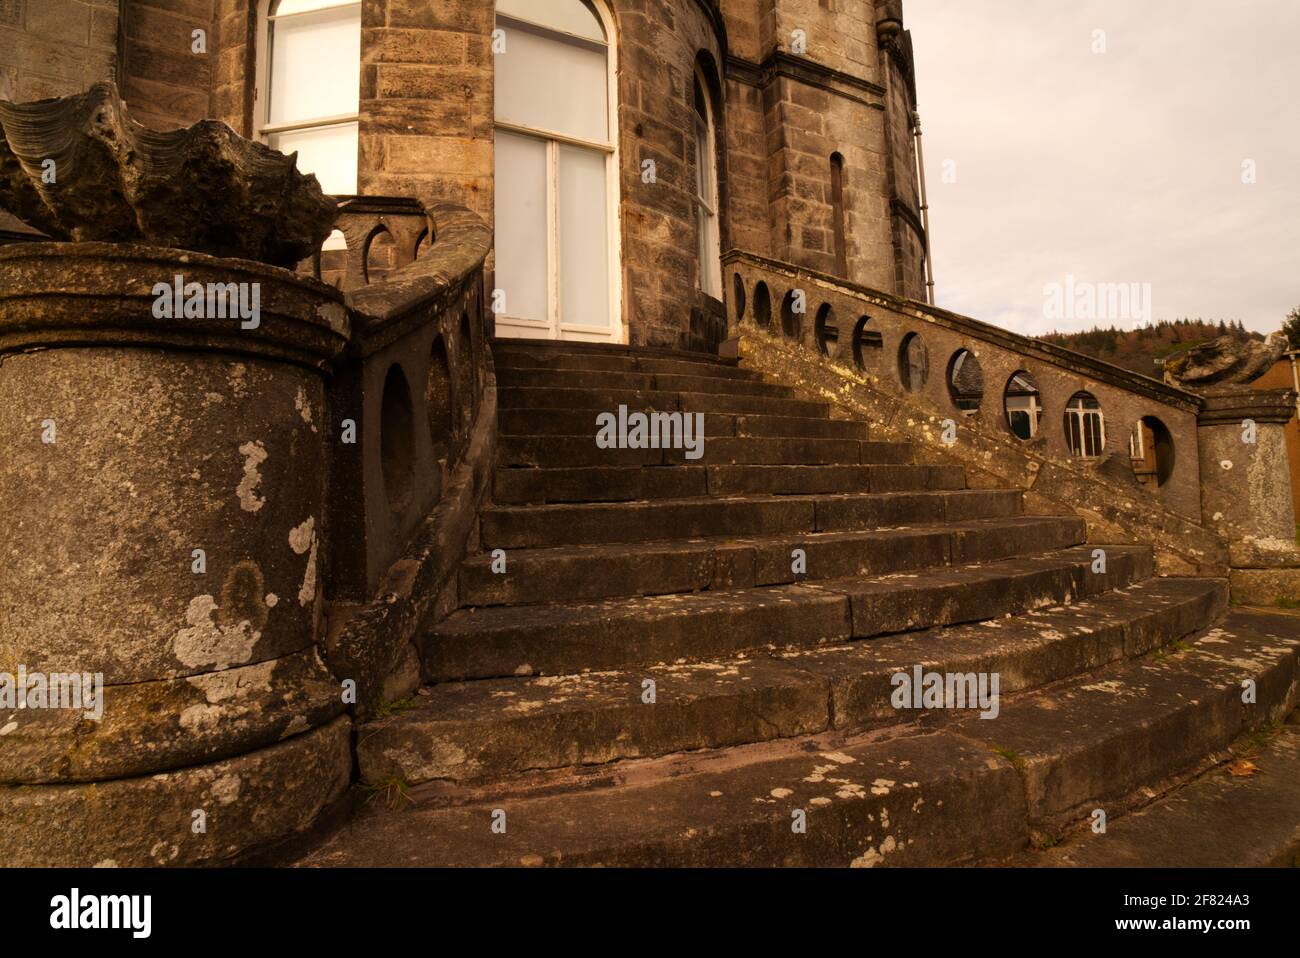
{"x":925,"y":212}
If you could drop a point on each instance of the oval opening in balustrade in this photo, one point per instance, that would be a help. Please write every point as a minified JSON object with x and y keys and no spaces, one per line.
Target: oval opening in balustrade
{"x":965,"y":382}
{"x":827,"y":331}
{"x":913,"y":363}
{"x":379,"y":255}
{"x":1024,"y":405}
{"x":762,"y":305}
{"x":1085,"y":426}
{"x":438,"y":396}
{"x":865,"y":340}
{"x":465,"y":371}
{"x":1151,"y":451}
{"x":738,"y":294}
{"x":396,"y":440}
{"x":791,"y":318}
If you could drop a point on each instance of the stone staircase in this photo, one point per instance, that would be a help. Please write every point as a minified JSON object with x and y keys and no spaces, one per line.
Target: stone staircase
{"x":657,"y":680}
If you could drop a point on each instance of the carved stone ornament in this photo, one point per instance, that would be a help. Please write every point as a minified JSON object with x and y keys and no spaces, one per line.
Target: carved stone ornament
{"x":78,"y":168}
{"x":1225,"y":361}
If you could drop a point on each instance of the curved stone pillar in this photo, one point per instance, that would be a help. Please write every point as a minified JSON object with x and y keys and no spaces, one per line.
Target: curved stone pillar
{"x":1246,"y":489}
{"x":163,"y":493}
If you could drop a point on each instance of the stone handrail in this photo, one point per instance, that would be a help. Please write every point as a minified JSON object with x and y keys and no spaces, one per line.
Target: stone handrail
{"x":417,"y":382}
{"x":850,"y":347}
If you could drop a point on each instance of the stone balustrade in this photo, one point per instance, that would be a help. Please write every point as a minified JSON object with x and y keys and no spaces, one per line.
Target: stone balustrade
{"x":1075,"y":433}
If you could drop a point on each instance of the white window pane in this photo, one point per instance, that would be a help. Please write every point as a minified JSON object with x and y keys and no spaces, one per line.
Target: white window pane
{"x":301,"y":6}
{"x":521,"y":232}
{"x":315,"y":66}
{"x":328,"y":151}
{"x":569,"y":16}
{"x":551,"y":85}
{"x":584,"y":238}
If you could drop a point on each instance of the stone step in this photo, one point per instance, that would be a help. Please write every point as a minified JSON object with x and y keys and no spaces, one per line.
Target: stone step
{"x":569,"y":451}
{"x":578,"y":573}
{"x":638,"y":381}
{"x":608,"y":400}
{"x":970,"y":791}
{"x":539,"y":526}
{"x":514,"y":352}
{"x":463,"y":731}
{"x":1219,"y":820}
{"x":579,"y":422}
{"x":627,"y":483}
{"x":565,"y":638}
{"x":514,"y":360}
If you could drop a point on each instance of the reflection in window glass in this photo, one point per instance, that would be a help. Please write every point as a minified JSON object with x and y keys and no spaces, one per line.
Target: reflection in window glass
{"x":1024,"y":405}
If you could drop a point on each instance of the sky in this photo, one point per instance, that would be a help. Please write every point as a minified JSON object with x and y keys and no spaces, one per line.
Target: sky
{"x":1046,"y":160}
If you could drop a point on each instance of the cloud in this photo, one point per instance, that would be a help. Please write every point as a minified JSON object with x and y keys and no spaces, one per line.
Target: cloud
{"x":1122,"y":166}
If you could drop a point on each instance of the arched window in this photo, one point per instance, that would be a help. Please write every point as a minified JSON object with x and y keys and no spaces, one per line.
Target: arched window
{"x":309,"y":82}
{"x":706,"y":190}
{"x":556,"y":171}
{"x":837,"y":216}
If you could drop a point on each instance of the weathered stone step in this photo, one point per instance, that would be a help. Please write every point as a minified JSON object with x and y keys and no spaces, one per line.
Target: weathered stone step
{"x":970,"y":792}
{"x":640,"y":381}
{"x":519,"y":352}
{"x":1220,"y":820}
{"x":577,"y":573}
{"x":608,"y":400}
{"x":514,"y":527}
{"x":511,"y":361}
{"x":569,"y":451}
{"x":579,"y":422}
{"x":560,"y":639}
{"x":627,"y":483}
{"x":464,"y":731}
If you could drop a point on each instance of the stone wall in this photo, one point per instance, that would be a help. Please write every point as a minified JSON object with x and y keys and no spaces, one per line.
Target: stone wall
{"x":1281,"y":376}
{"x":164,"y":82}
{"x":52,"y":48}
{"x":788,"y":112}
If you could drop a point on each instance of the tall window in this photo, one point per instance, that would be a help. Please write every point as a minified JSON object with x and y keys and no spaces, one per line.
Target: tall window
{"x":1085,"y":430}
{"x":556,"y":179}
{"x":308,"y":91}
{"x":837,"y":216}
{"x":706,"y":191}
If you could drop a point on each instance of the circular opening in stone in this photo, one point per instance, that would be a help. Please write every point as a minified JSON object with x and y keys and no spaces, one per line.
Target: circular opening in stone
{"x":864,"y":340}
{"x":1151,"y":451}
{"x":438,"y":397}
{"x":965,"y":382}
{"x":913,"y":363}
{"x":1085,"y":426}
{"x":396,"y":439}
{"x":762,"y":305}
{"x":1023,"y":404}
{"x":827,"y":330}
{"x":738,"y":294}
{"x":790,"y":319}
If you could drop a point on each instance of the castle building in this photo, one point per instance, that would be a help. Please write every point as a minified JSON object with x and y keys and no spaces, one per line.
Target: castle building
{"x":536,"y":410}
{"x":618,"y":148}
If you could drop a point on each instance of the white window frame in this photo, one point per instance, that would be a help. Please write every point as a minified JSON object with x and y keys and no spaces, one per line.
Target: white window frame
{"x":616,"y":330}
{"x":709,"y":249}
{"x":262,"y":129}
{"x":1078,"y":414}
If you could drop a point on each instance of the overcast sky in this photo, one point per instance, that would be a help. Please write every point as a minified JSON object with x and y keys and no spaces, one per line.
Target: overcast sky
{"x":1117,"y":167}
